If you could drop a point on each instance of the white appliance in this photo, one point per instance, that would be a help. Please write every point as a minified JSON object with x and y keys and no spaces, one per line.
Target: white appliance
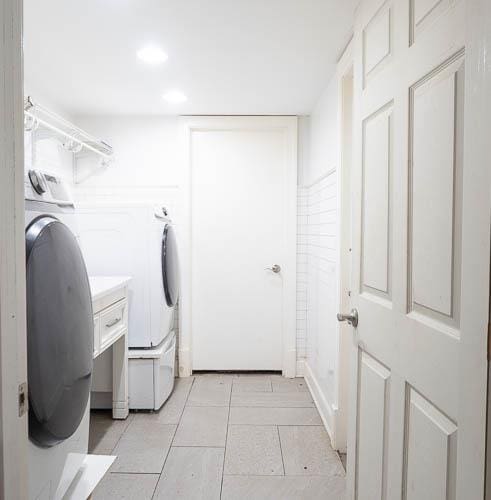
{"x":138,"y":240}
{"x":151,"y":375}
{"x":59,"y":338}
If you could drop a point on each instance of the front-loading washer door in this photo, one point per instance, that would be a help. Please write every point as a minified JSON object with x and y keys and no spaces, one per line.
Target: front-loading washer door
{"x":170,"y":266}
{"x":60,"y":331}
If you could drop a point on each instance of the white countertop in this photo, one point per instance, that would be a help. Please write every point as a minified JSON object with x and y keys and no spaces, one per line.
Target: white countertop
{"x":103,"y":285}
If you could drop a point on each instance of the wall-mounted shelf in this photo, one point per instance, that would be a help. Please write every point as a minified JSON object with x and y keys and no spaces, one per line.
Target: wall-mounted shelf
{"x":47,"y":124}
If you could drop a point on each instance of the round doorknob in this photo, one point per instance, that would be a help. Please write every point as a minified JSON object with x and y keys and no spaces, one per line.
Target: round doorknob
{"x":351,"y":318}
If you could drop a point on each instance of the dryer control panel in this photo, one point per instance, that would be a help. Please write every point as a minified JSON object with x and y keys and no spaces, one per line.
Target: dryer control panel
{"x":43,"y":186}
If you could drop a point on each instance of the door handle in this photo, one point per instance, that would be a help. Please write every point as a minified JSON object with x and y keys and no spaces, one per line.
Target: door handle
{"x":113,"y":322}
{"x":275,"y":268}
{"x":351,"y":318}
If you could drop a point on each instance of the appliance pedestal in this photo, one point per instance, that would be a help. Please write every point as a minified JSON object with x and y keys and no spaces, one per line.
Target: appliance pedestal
{"x":151,"y":374}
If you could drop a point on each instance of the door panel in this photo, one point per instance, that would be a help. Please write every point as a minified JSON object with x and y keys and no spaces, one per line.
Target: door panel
{"x":377,"y":42}
{"x":431,"y":448}
{"x":377,"y":159}
{"x":436,"y":136}
{"x":423,"y":13}
{"x":409,"y":279}
{"x":373,"y":409}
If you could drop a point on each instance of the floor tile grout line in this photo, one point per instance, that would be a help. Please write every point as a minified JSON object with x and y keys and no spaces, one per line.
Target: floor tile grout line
{"x":165,"y":460}
{"x":171,"y":443}
{"x":198,"y":446}
{"x":207,"y":406}
{"x":126,"y":427}
{"x":287,"y":475}
{"x":277,"y":407}
{"x":180,"y":418}
{"x":186,"y":401}
{"x":277,"y":425}
{"x":226,"y":440}
{"x":281,"y":450}
{"x":137,"y":473}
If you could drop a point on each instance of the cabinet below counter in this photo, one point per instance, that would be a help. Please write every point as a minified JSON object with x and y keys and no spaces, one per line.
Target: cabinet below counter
{"x":110,"y":306}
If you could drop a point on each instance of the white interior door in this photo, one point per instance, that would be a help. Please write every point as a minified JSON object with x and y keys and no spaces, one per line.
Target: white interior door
{"x":243,"y":224}
{"x":421,"y":258}
{"x":13,"y":354}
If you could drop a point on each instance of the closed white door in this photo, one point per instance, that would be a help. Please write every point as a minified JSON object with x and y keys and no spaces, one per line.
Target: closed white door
{"x":243,"y":175}
{"x":421,"y":259}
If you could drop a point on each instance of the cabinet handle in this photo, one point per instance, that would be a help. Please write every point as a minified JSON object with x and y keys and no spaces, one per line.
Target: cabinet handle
{"x":113,"y":322}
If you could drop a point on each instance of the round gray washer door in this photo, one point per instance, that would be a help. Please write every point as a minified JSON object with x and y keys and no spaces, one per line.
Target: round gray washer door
{"x":170,"y":266}
{"x":60,"y":331}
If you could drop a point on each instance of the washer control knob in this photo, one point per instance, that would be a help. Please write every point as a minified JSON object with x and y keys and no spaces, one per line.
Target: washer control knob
{"x":37,"y":181}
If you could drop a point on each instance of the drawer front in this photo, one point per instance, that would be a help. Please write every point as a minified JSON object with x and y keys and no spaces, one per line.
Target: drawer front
{"x":113,"y":322}
{"x":97,"y":335}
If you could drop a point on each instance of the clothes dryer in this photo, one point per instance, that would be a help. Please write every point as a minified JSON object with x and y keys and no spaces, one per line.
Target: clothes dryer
{"x":139,"y":240}
{"x":59,"y":338}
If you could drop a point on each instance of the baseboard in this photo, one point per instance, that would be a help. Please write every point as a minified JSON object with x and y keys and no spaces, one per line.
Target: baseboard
{"x":326,"y":410}
{"x":185,"y":369}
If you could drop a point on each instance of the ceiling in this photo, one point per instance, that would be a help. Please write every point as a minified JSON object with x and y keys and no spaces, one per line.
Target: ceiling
{"x":227,"y":56}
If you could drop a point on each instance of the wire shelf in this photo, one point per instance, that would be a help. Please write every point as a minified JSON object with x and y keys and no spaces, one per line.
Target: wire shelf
{"x":46,"y":123}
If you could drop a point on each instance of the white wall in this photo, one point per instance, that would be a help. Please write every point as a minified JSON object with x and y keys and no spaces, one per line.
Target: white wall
{"x":318,"y":218}
{"x":324,"y":135}
{"x":146,"y":150}
{"x":145,"y":166}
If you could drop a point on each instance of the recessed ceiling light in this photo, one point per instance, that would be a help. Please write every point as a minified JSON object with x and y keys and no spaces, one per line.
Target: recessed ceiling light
{"x":175,"y":97}
{"x":152,"y":55}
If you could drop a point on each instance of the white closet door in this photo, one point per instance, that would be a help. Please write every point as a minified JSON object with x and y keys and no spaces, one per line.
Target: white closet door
{"x":421,"y":236}
{"x":242,"y":177}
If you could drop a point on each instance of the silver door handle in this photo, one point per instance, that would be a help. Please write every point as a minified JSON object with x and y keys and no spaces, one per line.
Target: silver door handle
{"x":351,"y":318}
{"x":275,"y":268}
{"x":113,"y":322}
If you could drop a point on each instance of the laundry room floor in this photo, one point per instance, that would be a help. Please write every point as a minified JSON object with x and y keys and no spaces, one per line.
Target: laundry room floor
{"x":222,"y":436}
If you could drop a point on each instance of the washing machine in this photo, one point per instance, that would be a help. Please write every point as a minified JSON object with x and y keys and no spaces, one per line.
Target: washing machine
{"x":151,"y":369}
{"x":138,"y":240}
{"x":59,"y":338}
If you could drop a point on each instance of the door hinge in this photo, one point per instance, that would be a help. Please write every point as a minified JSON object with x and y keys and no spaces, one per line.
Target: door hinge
{"x":23,"y":399}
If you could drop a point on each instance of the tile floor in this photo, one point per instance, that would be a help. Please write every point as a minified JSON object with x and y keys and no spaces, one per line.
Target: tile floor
{"x":222,"y":436}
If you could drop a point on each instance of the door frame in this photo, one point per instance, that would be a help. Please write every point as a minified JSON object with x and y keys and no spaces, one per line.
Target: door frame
{"x":13,"y":353}
{"x":344,"y":72}
{"x":287,"y":124}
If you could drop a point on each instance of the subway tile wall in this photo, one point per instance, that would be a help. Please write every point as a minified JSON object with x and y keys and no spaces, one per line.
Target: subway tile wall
{"x":302,"y":261}
{"x":317,"y":280}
